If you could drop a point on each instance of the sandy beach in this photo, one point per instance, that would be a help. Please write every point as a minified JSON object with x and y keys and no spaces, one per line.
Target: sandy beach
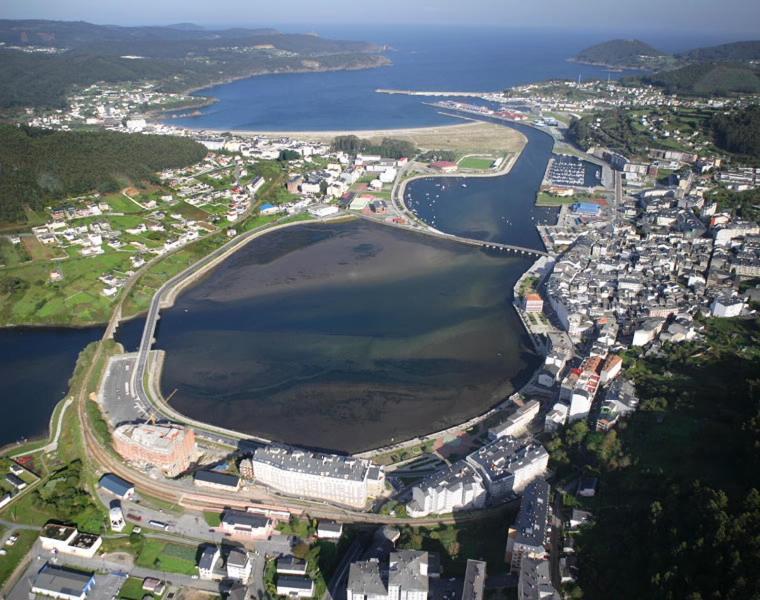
{"x":472,"y":136}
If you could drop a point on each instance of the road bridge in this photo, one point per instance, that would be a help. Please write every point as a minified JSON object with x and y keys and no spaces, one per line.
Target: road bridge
{"x":486,"y":245}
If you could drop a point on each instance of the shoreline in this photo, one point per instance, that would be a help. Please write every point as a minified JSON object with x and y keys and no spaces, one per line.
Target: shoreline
{"x":210,"y":100}
{"x":317,"y":134}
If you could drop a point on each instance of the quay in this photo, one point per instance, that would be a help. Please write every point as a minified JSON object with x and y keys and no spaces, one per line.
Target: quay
{"x":433,"y":93}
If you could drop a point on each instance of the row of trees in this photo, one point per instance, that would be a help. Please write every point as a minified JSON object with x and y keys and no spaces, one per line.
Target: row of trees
{"x":38,"y":166}
{"x":387,"y":148}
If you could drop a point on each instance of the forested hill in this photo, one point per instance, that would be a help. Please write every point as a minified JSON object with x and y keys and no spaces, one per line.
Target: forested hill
{"x":80,"y":54}
{"x":735,"y":51}
{"x":705,"y":79}
{"x":38,"y":166}
{"x":620,"y":53}
{"x":739,"y":132}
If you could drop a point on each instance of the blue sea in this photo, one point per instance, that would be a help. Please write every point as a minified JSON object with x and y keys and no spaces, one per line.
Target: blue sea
{"x":426,"y":58}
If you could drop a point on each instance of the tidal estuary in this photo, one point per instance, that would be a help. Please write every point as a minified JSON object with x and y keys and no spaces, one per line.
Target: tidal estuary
{"x":346,"y":336}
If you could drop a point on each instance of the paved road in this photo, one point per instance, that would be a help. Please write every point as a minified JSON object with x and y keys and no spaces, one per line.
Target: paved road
{"x":257,"y":589}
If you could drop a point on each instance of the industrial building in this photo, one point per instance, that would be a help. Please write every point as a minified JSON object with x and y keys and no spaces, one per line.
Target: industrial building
{"x":217,"y":480}
{"x":63,"y":583}
{"x":117,"y":486}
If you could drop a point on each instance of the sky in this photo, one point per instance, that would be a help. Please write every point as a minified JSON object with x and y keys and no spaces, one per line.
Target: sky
{"x":727,"y":18}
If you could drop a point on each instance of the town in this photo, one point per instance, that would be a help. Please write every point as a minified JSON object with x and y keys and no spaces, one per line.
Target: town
{"x":644,"y":249}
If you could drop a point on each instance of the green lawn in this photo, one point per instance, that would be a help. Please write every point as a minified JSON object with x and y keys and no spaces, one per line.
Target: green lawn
{"x":545,"y":199}
{"x":476,"y":162}
{"x":132,"y":589}
{"x":213,"y":519}
{"x":168,"y":556}
{"x":16,"y":553}
{"x":120,"y":203}
{"x":75,"y":300}
{"x":302,"y":528}
{"x":12,"y":254}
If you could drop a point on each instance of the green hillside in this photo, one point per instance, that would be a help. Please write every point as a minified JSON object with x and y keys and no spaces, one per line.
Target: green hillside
{"x":706,"y":79}
{"x":735,"y":51}
{"x":41,"y":165}
{"x":178,"y":58}
{"x":739,"y":132}
{"x":621,"y":53}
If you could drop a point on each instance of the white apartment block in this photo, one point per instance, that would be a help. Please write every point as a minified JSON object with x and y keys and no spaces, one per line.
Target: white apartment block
{"x":456,"y":487}
{"x":340,"y":479}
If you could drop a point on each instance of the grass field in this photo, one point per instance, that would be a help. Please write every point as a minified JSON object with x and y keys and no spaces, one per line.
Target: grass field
{"x":16,"y":553}
{"x":12,"y":254}
{"x":132,"y":589}
{"x":75,"y":300}
{"x":544,"y":199}
{"x":120,"y":203}
{"x":213,"y":519}
{"x":479,"y":163}
{"x":168,"y":556}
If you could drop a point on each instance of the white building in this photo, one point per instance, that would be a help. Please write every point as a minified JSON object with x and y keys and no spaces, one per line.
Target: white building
{"x":329,"y":530}
{"x":727,"y":307}
{"x":239,"y":565}
{"x":647,"y":332}
{"x":580,"y":405}
{"x":456,"y":487}
{"x":323,"y":210}
{"x":517,"y":421}
{"x":68,"y":540}
{"x":507,"y":465}
{"x":366,"y":581}
{"x":341,"y":479}
{"x":295,"y":586}
{"x":408,"y":575}
{"x":116,"y":517}
{"x":246,"y":525}
{"x":209,"y":563}
{"x":556,"y":417}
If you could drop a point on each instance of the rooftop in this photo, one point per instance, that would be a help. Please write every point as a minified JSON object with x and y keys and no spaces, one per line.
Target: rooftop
{"x":532,"y":520}
{"x":501,"y":458}
{"x":159,"y":438}
{"x":241,"y":518}
{"x":365,"y":578}
{"x":62,"y":580}
{"x":409,"y":570}
{"x":217,"y":478}
{"x":474,"y":580}
{"x":296,"y":460}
